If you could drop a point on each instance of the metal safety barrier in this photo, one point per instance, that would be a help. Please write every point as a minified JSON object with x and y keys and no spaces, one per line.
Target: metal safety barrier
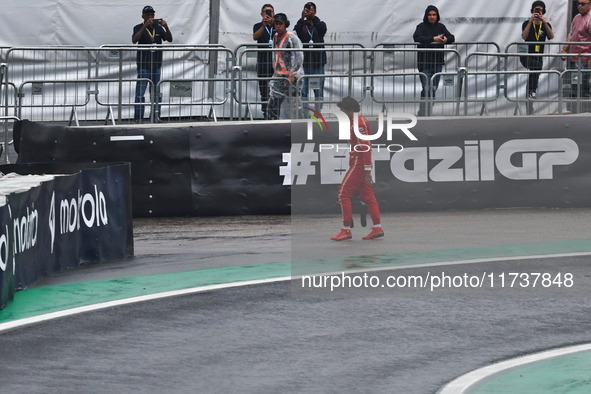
{"x":575,"y":75}
{"x":193,"y":77}
{"x":399,"y":82}
{"x":6,"y":117}
{"x":110,"y":76}
{"x":509,"y":87}
{"x":247,"y":94}
{"x":210,"y":82}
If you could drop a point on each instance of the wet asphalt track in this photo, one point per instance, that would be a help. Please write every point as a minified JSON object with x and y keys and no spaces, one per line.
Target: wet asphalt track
{"x":262,"y":339}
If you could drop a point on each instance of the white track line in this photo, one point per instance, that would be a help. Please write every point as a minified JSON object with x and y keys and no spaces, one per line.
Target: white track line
{"x":459,"y":262}
{"x":69,"y":312}
{"x":103,"y":305}
{"x":467,"y":383}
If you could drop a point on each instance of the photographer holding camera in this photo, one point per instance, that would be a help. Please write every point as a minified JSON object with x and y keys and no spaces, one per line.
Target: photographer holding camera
{"x":263,"y":33}
{"x":535,"y":29}
{"x":151,"y":31}
{"x":311,"y":30}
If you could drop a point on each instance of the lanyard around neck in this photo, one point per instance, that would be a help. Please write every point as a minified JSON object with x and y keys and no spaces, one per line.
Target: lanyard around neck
{"x":310,"y":32}
{"x":537,"y":33}
{"x":153,"y":34}
{"x":269,"y":31}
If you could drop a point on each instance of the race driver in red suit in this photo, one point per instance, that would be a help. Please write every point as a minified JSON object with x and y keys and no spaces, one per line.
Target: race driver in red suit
{"x":358,"y":177}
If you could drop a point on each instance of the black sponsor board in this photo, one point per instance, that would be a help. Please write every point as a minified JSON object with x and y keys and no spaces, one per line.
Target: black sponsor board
{"x":6,"y":260}
{"x":245,"y":168}
{"x":454,"y":164}
{"x":82,"y":215}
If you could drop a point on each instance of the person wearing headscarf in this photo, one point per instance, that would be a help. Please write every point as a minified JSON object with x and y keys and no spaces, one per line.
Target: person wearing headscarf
{"x":430,"y":34}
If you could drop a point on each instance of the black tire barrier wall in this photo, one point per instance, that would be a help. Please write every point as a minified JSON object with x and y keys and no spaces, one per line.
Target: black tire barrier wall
{"x":234,"y":169}
{"x":203,"y":170}
{"x":81,"y":217}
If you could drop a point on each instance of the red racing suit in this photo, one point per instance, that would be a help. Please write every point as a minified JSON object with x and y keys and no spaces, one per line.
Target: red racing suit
{"x":359,"y":162}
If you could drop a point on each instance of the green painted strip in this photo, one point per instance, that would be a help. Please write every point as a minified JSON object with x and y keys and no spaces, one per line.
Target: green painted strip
{"x":435,"y":256}
{"x":37,"y":301}
{"x":564,"y":375}
{"x":33,"y":302}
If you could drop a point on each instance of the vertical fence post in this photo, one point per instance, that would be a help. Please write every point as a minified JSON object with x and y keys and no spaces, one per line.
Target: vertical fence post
{"x":2,"y":73}
{"x":214,"y":36}
{"x":120,"y":97}
{"x":350,"y":91}
{"x":579,"y":85}
{"x":230,"y":66}
{"x":461,"y":76}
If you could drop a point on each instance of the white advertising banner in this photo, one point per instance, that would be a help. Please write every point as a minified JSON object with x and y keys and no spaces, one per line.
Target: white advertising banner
{"x":91,"y":23}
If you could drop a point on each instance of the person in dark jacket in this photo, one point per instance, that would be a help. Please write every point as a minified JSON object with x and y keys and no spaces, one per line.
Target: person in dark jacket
{"x":149,"y":63}
{"x":263,"y":33}
{"x":311,"y":30}
{"x":430,"y":34}
{"x":535,"y":29}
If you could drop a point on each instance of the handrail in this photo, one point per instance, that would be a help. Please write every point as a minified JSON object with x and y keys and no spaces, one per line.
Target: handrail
{"x":131,"y":49}
{"x":69,"y":81}
{"x":362,"y":69}
{"x":456,"y":43}
{"x":545,"y":43}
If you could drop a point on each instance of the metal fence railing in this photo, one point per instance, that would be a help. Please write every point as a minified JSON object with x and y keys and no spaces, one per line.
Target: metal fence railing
{"x":194,"y":80}
{"x":77,"y":84}
{"x":6,"y":142}
{"x":396,"y":81}
{"x":558,"y":85}
{"x":339,"y":60}
{"x":54,"y":82}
